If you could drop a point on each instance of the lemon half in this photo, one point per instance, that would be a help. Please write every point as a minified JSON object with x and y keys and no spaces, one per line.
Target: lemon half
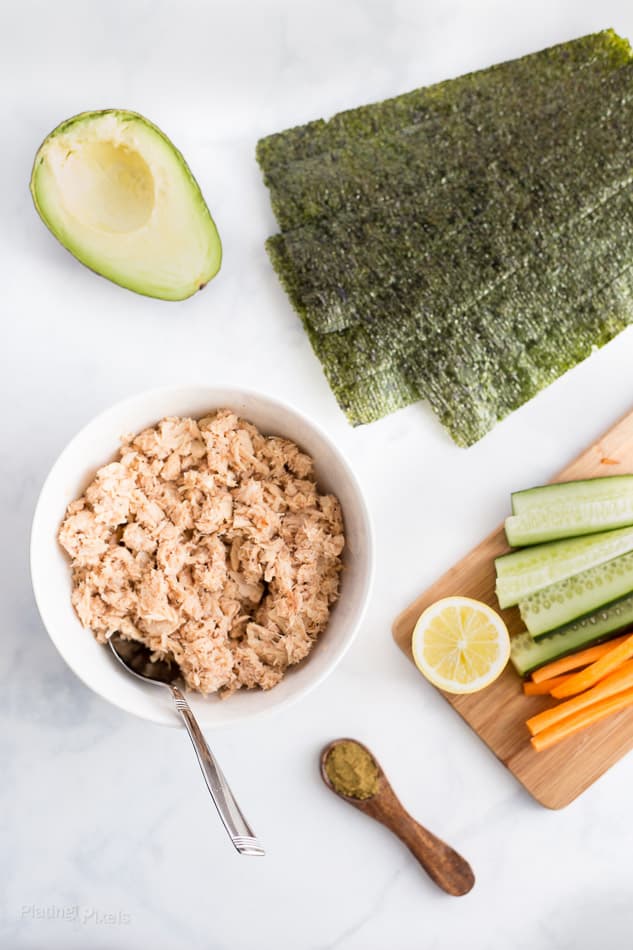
{"x":460,"y":644}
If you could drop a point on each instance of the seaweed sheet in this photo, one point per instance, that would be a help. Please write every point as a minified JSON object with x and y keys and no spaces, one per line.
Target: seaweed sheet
{"x":478,"y":373}
{"x":406,"y":159}
{"x":398,"y":253}
{"x":487,"y":362}
{"x":592,"y":246}
{"x":473,"y":407}
{"x":597,"y":50}
{"x":553,"y":300}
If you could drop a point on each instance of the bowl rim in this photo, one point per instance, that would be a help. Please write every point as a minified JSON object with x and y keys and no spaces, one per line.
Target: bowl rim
{"x":273,"y":401}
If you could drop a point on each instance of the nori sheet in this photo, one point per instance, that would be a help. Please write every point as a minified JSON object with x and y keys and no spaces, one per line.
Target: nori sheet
{"x":408,"y":159}
{"x":592,"y":248}
{"x":484,"y":376}
{"x":592,"y":322}
{"x":557,"y":284}
{"x":398,"y":254}
{"x":465,"y":399}
{"x":485,"y":366}
{"x":603,"y":49}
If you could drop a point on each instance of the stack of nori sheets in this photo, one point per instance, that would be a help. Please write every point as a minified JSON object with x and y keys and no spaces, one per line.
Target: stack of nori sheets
{"x":465,"y":243}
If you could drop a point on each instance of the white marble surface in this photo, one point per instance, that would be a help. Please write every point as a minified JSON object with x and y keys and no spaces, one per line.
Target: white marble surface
{"x":105,"y":821}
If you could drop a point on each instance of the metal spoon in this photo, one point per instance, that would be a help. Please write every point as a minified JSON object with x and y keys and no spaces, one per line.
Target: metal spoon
{"x":135,"y":657}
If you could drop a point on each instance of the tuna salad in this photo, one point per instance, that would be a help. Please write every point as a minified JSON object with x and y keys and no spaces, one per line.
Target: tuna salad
{"x":210,"y":543}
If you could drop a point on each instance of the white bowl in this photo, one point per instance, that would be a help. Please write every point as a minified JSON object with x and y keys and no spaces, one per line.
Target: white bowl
{"x":97,"y":444}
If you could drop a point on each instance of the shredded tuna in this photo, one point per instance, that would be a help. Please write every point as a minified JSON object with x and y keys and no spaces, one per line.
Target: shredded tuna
{"x":209,"y":543}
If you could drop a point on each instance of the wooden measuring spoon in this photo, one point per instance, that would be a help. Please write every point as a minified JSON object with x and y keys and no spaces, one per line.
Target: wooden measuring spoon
{"x":443,"y":865}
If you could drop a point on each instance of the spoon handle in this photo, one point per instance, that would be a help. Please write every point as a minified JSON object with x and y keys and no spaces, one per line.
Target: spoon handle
{"x":443,"y":864}
{"x":228,"y":809}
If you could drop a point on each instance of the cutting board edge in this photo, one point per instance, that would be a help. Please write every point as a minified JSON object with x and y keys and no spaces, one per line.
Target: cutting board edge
{"x":619,"y":436}
{"x":555,"y":803}
{"x":552,"y":803}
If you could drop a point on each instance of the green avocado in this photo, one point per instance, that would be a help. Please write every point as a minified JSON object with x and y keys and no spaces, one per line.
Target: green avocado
{"x":120,"y":197}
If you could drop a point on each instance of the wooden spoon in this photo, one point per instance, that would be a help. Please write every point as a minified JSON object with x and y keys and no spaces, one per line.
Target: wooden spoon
{"x":443,"y":865}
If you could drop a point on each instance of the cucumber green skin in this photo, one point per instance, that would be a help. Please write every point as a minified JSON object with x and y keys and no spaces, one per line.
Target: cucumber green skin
{"x":528,"y":654}
{"x":555,"y":522}
{"x":576,"y":596}
{"x":588,"y":489}
{"x":523,"y":573}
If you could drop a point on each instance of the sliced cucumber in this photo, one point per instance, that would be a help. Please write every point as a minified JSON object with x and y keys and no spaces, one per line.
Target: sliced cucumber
{"x":568,"y":520}
{"x":527,"y":654}
{"x":570,"y":509}
{"x":576,"y":596}
{"x":609,"y":487}
{"x":524,"y":572}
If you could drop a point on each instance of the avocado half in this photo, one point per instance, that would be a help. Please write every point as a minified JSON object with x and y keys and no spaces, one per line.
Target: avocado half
{"x":120,"y":197}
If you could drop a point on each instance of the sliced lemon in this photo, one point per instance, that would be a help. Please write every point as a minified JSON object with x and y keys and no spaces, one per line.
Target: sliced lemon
{"x":460,"y":644}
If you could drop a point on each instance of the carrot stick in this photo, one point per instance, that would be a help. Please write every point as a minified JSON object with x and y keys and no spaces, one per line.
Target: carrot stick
{"x":542,"y":689}
{"x":576,"y":660}
{"x":580,"y":720}
{"x":615,"y":683}
{"x":593,"y":673}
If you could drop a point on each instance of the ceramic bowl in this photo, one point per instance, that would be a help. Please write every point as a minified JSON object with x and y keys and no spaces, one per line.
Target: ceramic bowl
{"x":94,"y":446}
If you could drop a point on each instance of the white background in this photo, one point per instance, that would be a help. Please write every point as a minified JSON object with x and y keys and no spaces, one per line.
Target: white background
{"x":108,"y":814}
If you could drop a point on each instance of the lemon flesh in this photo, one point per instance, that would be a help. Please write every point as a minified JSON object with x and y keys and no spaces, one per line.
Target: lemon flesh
{"x":119,"y":196}
{"x":460,"y":645}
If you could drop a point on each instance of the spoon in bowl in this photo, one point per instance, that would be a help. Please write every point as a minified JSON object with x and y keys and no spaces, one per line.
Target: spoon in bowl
{"x":135,"y":657}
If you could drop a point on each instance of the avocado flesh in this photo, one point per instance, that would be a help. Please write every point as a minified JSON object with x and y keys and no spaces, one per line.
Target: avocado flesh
{"x":120,"y":197}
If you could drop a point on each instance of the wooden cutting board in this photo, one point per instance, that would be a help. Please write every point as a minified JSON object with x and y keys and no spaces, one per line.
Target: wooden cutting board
{"x":497,"y":714}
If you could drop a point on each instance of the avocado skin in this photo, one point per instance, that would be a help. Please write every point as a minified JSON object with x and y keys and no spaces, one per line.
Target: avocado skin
{"x":123,"y":116}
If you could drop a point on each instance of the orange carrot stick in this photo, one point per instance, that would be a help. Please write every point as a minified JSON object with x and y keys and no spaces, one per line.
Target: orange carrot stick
{"x":542,"y":689}
{"x":615,"y":683}
{"x":580,"y":720}
{"x":575,"y":661}
{"x":593,"y":673}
